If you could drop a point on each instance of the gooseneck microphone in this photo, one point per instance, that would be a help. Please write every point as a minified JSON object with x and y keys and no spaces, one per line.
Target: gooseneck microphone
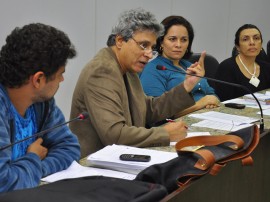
{"x":160,"y":67}
{"x":82,"y":116}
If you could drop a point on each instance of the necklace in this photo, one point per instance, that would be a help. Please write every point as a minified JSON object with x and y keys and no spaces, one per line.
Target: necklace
{"x":254,"y":80}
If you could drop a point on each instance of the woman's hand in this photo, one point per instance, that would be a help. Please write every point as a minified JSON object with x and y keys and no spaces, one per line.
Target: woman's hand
{"x":209,"y":102}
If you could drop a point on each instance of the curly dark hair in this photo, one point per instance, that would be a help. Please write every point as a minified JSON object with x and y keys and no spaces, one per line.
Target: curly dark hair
{"x":32,"y":48}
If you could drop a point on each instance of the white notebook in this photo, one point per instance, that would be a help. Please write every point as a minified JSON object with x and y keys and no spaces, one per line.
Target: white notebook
{"x":108,"y":157}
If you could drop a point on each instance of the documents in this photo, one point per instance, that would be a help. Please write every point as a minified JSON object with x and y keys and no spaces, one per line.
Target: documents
{"x":108,"y":157}
{"x":224,"y":118}
{"x":220,"y":125}
{"x":75,"y":170}
{"x":263,"y":98}
{"x":265,"y":112}
{"x":247,"y":102}
{"x":223,"y":121}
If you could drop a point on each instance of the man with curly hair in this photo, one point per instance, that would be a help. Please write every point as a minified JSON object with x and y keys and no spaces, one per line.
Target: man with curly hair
{"x":32,"y":63}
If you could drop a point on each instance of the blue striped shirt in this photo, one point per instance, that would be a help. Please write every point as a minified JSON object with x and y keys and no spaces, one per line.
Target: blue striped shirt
{"x":26,"y":171}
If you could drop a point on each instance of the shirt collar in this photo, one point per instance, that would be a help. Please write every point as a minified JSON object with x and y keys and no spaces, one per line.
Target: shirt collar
{"x":182,"y":62}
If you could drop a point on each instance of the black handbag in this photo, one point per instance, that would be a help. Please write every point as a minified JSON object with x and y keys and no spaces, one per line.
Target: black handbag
{"x":88,"y":189}
{"x":191,"y":165}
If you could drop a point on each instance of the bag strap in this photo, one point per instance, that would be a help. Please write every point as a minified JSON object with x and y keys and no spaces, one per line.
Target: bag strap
{"x":207,"y":158}
{"x":245,"y":155}
{"x":238,"y":143}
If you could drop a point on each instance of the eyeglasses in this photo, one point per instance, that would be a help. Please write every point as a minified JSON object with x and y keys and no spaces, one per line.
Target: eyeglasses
{"x":146,"y":49}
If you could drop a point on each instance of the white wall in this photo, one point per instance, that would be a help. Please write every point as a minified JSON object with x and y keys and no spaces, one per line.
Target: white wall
{"x":88,"y":24}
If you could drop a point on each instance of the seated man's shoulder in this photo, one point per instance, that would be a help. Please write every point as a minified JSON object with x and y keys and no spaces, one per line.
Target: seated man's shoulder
{"x":103,"y":62}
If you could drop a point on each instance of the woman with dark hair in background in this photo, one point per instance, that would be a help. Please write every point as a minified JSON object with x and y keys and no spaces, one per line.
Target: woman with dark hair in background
{"x":173,"y":47}
{"x":244,"y":68}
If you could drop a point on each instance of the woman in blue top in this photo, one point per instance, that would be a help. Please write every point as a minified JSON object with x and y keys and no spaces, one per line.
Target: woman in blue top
{"x":173,"y":46}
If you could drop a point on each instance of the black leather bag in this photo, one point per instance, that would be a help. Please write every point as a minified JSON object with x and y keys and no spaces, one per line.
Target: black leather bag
{"x":88,"y":189}
{"x":191,"y":165}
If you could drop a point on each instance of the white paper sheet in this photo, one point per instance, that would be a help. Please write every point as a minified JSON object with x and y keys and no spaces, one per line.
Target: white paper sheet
{"x":265,"y":112}
{"x":224,"y":118}
{"x":220,"y":125}
{"x":192,"y":134}
{"x":75,"y":170}
{"x":248,"y":103}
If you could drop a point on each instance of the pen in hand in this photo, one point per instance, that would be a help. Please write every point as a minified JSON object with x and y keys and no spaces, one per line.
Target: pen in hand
{"x":171,"y":121}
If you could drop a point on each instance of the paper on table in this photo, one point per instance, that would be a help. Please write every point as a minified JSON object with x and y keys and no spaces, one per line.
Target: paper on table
{"x":220,"y":125}
{"x":108,"y":157}
{"x":248,"y":103}
{"x":224,"y":118}
{"x":265,"y":112}
{"x":75,"y":170}
{"x":267,"y":93}
{"x":235,"y":100}
{"x":192,"y":134}
{"x":262,"y":98}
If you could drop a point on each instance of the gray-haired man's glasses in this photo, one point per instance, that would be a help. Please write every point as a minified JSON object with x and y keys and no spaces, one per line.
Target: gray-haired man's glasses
{"x":145,"y":48}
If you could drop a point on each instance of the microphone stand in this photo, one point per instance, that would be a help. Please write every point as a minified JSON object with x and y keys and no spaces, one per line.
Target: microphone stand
{"x":82,"y":116}
{"x":159,"y":67}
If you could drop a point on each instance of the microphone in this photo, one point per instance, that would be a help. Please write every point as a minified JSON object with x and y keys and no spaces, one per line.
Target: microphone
{"x":82,"y":116}
{"x":160,"y":67}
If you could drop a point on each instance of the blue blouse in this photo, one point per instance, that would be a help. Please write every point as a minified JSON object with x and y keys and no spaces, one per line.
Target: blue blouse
{"x":156,"y":82}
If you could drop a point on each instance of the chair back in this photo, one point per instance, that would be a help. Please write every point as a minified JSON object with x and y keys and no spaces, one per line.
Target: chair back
{"x":268,"y":49}
{"x":210,"y":65}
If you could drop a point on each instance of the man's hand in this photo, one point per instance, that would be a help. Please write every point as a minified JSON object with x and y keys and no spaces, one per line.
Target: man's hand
{"x":198,"y":69}
{"x":38,"y":149}
{"x":177,"y":130}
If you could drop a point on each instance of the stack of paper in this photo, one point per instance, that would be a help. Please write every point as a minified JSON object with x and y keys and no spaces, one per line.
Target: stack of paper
{"x":108,"y":157}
